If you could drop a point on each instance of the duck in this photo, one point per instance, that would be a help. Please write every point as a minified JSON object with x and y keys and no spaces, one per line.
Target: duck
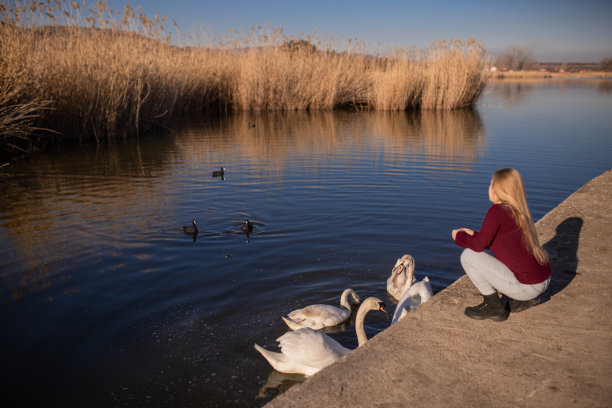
{"x":318,"y":316}
{"x":402,"y":276}
{"x":191,"y":229}
{"x":307,"y":351}
{"x":247,"y":226}
{"x":219,"y":173}
{"x":417,"y":294}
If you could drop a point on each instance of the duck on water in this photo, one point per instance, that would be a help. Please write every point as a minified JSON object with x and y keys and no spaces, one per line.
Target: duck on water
{"x":247,"y":226}
{"x":191,"y":229}
{"x":219,"y":173}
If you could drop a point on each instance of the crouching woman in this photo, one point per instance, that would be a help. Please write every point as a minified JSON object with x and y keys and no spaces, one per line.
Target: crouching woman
{"x":519,"y":265}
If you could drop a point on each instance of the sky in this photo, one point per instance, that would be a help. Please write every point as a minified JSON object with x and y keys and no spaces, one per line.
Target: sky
{"x":555,"y":31}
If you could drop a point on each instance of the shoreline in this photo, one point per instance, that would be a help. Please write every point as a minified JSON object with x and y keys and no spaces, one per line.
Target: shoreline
{"x":545,"y":75}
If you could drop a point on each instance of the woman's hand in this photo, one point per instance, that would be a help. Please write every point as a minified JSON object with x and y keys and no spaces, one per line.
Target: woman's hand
{"x":454,"y":233}
{"x":466,"y":230}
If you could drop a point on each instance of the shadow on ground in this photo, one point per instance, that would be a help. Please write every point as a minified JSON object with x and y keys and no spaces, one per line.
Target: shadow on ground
{"x":562,"y":249}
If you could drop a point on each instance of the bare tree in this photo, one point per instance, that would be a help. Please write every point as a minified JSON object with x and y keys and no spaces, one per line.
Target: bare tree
{"x":606,"y":64}
{"x":516,"y":58}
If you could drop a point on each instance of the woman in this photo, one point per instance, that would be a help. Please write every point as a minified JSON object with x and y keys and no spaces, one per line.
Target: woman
{"x":519,"y":268}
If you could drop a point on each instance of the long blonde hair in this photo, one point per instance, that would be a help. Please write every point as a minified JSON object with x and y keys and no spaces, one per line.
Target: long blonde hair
{"x":507,"y":184}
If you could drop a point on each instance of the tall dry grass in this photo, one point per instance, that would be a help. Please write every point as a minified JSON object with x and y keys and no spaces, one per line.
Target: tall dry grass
{"x":94,"y":72}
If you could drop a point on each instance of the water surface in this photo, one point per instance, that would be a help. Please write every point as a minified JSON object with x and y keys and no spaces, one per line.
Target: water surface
{"x":104,"y":301}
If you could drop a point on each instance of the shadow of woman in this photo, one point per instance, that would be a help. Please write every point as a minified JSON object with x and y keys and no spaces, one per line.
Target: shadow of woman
{"x":562,"y":249}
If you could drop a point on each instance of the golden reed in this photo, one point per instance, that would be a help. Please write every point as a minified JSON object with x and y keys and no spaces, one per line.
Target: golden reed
{"x":87,"y":71}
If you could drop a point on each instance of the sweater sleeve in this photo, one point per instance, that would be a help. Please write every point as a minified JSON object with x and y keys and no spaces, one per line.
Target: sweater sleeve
{"x":482,"y":239}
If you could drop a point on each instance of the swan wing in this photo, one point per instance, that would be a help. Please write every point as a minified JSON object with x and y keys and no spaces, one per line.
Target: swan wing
{"x":413,"y":290}
{"x":395,"y":283}
{"x":405,"y":303}
{"x":421,"y":289}
{"x":418,"y":293}
{"x":283,"y":364}
{"x":319,"y":316}
{"x":425,"y":290}
{"x":311,"y":348}
{"x":291,"y":324}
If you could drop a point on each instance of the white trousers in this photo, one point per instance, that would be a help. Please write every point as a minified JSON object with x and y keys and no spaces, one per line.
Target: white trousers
{"x":487,"y":273}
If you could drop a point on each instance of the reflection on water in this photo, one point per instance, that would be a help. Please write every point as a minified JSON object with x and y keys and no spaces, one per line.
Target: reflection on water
{"x":88,"y":196}
{"x":104,"y":298}
{"x":604,"y":87}
{"x":510,"y":93}
{"x":71,"y":202}
{"x":95,"y":233}
{"x":448,"y":135}
{"x":278,"y":383}
{"x":514,"y":93}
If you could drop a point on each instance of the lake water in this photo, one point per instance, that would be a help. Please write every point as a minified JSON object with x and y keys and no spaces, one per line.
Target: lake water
{"x":104,"y":301}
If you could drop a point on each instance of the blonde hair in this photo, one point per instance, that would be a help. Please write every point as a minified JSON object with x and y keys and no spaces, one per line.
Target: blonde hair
{"x":507,"y":184}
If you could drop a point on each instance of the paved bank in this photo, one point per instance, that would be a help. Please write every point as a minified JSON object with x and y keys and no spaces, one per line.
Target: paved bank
{"x":557,"y":354}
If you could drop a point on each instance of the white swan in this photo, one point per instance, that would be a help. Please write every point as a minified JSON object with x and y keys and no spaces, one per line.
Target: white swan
{"x":402,"y":276}
{"x":320,"y":316}
{"x":307,"y":351}
{"x":419,"y":292}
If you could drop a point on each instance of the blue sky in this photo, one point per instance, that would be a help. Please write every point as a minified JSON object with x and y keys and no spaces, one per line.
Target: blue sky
{"x":574,"y":31}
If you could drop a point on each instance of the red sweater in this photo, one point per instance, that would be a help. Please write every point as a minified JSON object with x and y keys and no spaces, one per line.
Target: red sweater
{"x":500,"y":234}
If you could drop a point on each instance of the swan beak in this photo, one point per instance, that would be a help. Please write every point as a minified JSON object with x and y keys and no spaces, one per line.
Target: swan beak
{"x":399,"y":269}
{"x":382,"y":308}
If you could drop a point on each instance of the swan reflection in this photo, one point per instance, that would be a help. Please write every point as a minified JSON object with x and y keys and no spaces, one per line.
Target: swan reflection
{"x":277,"y":383}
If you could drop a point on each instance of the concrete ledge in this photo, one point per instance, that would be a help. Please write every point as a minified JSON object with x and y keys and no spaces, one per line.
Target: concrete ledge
{"x":557,"y":354}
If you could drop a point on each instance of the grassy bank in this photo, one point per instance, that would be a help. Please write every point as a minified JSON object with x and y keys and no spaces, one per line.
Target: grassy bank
{"x":100,"y":73}
{"x":537,"y":75}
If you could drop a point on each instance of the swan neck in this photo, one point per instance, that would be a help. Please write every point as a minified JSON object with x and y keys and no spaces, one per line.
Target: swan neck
{"x":344,"y":299}
{"x":410,"y":275}
{"x":359,"y":329}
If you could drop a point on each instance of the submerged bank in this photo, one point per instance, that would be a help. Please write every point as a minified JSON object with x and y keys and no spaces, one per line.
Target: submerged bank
{"x":556,"y":354}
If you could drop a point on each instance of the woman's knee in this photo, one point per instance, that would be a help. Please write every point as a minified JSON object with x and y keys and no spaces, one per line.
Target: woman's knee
{"x":466,"y":256}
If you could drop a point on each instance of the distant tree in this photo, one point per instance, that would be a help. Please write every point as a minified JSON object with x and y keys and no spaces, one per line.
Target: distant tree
{"x":516,"y":58}
{"x":606,"y":64}
{"x":299,"y":45}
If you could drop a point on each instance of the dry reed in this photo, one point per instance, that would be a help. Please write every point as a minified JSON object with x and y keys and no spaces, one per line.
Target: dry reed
{"x":109,"y":74}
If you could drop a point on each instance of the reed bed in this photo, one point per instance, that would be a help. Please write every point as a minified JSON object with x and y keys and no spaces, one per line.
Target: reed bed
{"x":93,"y":72}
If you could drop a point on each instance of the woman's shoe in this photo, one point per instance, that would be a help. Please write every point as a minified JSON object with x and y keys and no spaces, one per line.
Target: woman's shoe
{"x":491,"y":308}
{"x":520,"y":305}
